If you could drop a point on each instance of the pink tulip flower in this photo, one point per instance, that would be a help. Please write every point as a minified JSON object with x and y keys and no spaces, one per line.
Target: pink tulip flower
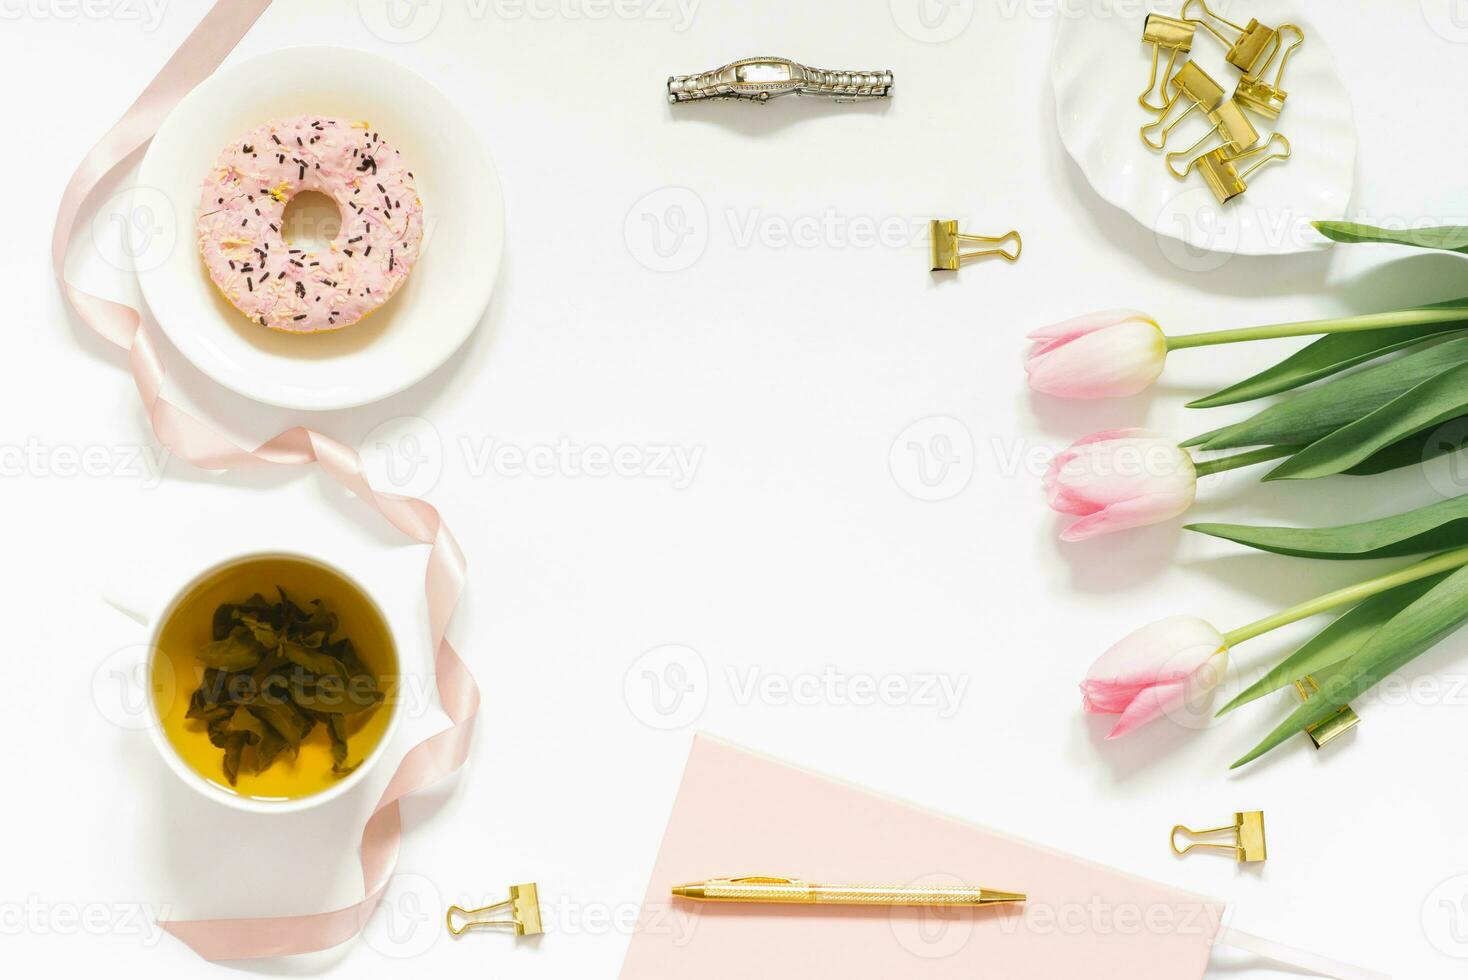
{"x":1155,"y":671}
{"x":1119,"y":479}
{"x":1100,"y":355}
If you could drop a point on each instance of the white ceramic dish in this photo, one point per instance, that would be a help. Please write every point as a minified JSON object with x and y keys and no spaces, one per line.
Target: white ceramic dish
{"x":155,"y":611}
{"x":1098,"y":68}
{"x":432,"y":313}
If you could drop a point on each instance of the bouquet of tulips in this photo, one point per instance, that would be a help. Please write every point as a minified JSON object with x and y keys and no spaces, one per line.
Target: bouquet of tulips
{"x":1347,"y":408}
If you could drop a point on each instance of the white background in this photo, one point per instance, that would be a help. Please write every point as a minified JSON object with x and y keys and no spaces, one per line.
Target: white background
{"x":793,"y":369}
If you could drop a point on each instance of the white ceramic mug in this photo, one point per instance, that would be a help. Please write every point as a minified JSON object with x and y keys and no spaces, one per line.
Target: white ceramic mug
{"x":153,"y":607}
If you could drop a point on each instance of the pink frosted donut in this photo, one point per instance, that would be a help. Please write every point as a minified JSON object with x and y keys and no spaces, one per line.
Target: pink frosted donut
{"x":286,"y":288}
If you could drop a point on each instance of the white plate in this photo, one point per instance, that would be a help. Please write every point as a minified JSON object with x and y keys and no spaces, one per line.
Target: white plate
{"x":1098,"y":68}
{"x":433,"y":312}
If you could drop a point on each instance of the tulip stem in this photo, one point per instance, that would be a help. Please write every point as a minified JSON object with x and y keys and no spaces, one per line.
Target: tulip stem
{"x":1208,"y":467}
{"x":1351,"y":594}
{"x":1416,"y":316}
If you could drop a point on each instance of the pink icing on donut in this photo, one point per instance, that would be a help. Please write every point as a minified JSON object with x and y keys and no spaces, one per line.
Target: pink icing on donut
{"x":286,"y":288}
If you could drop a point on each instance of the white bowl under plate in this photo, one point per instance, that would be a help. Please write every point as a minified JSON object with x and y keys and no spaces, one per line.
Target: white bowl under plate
{"x":433,"y":312}
{"x":1098,"y":67}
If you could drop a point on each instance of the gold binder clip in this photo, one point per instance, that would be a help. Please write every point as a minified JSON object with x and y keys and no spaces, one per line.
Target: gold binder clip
{"x":1220,"y":168}
{"x":1248,"y":833}
{"x":524,"y":906}
{"x":1247,"y":47}
{"x":944,"y":239}
{"x":1235,"y":133}
{"x":1193,"y":85}
{"x":1174,"y":35}
{"x":1267,"y":98}
{"x":1329,"y":729}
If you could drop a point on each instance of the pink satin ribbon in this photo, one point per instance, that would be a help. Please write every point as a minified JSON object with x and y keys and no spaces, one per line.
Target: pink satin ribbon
{"x":199,"y":444}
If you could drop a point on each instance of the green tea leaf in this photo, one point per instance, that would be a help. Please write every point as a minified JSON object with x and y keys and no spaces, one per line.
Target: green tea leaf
{"x":234,"y":749}
{"x":1451,"y":238}
{"x":1310,"y":415}
{"x":238,"y":651}
{"x":332,"y":694}
{"x":313,"y":660}
{"x":269,"y":749}
{"x":1405,"y":636}
{"x":288,"y":723}
{"x":1337,"y":642}
{"x":1435,"y":401}
{"x":242,"y":722}
{"x":1329,"y":355}
{"x":336,"y":728}
{"x":1436,"y":527}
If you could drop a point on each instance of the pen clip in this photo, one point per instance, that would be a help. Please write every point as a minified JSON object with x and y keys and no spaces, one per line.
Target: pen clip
{"x":763,"y":880}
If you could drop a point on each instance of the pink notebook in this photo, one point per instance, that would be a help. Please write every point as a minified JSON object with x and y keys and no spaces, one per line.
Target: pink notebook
{"x":741,"y":814}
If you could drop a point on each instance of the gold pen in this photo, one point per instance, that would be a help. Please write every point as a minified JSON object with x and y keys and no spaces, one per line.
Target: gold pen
{"x":793,"y":891}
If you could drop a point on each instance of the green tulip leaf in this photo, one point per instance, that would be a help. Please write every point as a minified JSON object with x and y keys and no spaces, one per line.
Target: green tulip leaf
{"x":1451,"y":238}
{"x":1337,"y":642}
{"x":1436,"y":527}
{"x":1408,"y":634}
{"x":1428,"y":405}
{"x":1329,"y":355}
{"x":1311,"y":415}
{"x":1417,"y":448}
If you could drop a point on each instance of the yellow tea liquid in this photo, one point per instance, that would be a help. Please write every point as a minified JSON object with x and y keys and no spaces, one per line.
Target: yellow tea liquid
{"x":189,"y":628}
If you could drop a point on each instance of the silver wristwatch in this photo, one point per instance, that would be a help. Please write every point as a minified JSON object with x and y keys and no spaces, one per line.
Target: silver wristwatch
{"x":762,"y":79}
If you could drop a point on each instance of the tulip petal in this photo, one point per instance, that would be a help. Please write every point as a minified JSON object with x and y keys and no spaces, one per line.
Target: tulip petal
{"x":1165,"y":652}
{"x":1086,"y":323}
{"x":1109,"y":361}
{"x":1150,"y":705}
{"x":1141,"y":511}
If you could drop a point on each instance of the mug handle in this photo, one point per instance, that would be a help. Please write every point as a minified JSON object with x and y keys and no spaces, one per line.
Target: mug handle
{"x":137,"y":593}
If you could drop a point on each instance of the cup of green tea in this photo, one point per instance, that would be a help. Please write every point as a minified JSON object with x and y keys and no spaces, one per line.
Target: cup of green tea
{"x":272,"y":681}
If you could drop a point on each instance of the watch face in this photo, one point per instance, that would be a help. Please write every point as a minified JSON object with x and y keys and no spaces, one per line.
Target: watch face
{"x":763,"y":72}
